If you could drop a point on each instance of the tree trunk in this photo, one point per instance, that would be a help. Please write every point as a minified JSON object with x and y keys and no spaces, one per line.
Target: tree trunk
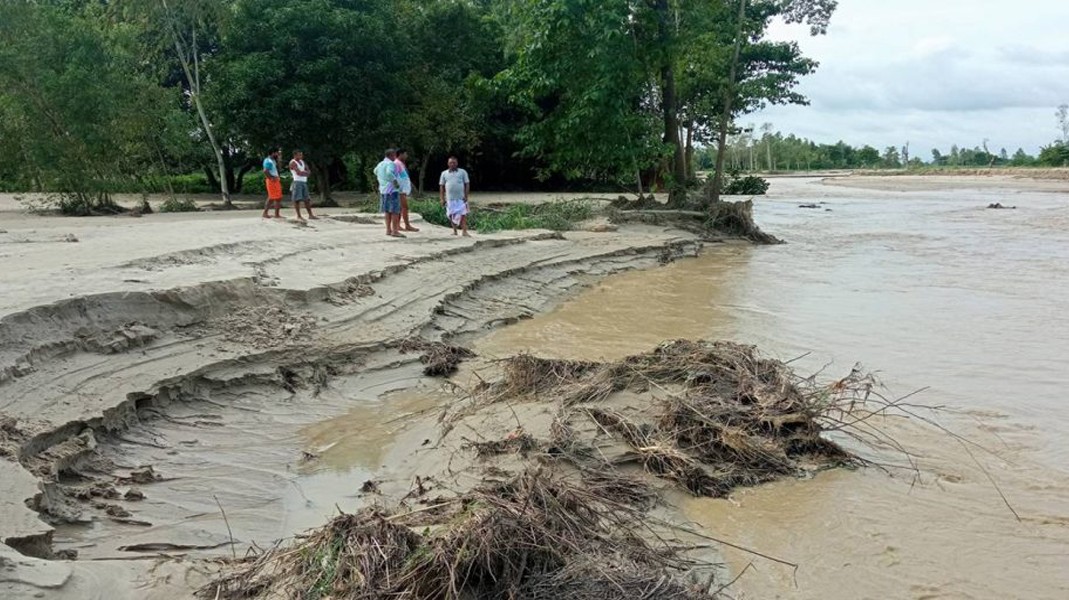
{"x":322,"y":175}
{"x":688,"y":155}
{"x":423,"y":166}
{"x":239,"y":180}
{"x":207,"y":126}
{"x":213,"y":179}
{"x":678,"y":192}
{"x":192,"y":73}
{"x":669,"y":105}
{"x":713,"y":195}
{"x":231,"y":180}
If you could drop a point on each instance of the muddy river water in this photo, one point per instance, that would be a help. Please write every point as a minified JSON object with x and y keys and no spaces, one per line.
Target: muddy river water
{"x":930,"y":290}
{"x":927,"y":288}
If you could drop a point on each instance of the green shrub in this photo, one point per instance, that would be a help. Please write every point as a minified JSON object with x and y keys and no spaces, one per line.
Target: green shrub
{"x":556,"y":216}
{"x":77,"y":204}
{"x":174,"y":204}
{"x":431,"y":210}
{"x":750,"y":185}
{"x":254,"y":184}
{"x":1055,"y":155}
{"x":193,"y":183}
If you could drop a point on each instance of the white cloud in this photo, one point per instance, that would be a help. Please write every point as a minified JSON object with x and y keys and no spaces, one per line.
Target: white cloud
{"x":932,"y":46}
{"x":933,"y":73}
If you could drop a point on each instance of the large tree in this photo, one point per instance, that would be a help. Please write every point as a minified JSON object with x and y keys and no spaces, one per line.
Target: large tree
{"x":78,"y":118}
{"x":742,"y":71}
{"x":321,"y":75}
{"x":638,"y":67}
{"x":183,"y":35}
{"x":578,"y":72}
{"x":444,"y":78}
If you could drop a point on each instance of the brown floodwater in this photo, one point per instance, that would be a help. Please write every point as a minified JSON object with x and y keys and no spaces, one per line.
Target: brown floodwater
{"x":933,"y":292}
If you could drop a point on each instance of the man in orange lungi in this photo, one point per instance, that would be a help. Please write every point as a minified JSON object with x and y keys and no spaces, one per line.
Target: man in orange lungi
{"x":273,"y":184}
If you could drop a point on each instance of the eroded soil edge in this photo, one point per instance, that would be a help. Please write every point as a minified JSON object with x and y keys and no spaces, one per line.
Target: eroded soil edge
{"x":77,"y":374}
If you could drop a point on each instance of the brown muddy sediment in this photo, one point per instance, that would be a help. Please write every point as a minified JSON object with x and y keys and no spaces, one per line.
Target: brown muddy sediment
{"x":86,"y":379}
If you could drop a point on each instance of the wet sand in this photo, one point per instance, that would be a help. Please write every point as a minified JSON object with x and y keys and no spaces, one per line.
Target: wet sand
{"x":200,"y":346}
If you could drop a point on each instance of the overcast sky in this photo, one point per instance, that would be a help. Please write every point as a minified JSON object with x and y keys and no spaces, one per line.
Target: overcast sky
{"x":933,"y":73}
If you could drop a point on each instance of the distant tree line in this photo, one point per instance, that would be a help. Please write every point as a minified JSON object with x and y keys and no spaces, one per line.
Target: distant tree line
{"x":101,"y":96}
{"x":774,"y":151}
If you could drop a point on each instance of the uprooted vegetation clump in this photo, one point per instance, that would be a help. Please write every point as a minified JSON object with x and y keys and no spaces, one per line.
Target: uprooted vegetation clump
{"x":439,"y":359}
{"x":569,"y":517}
{"x":717,"y":415}
{"x":534,"y":536}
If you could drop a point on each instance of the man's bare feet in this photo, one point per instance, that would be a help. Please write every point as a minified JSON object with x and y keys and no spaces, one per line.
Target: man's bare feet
{"x":313,"y":218}
{"x":466,"y":234}
{"x":397,"y":234}
{"x":411,"y":228}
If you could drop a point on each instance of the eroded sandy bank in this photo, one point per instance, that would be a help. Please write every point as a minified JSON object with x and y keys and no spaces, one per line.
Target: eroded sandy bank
{"x":141,"y":316}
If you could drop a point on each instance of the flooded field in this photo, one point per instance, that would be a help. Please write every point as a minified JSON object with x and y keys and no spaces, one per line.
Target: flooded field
{"x":933,"y":292}
{"x":962,"y":305}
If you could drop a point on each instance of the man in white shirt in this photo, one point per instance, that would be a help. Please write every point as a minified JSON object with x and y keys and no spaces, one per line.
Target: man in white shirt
{"x":453,"y":188}
{"x":299,"y":189}
{"x":390,"y":192}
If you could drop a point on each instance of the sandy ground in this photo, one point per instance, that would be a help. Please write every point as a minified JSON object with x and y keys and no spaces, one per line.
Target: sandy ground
{"x":19,"y":203}
{"x":108,"y":322}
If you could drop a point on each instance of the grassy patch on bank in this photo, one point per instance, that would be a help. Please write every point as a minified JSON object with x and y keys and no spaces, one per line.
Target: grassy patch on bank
{"x":560,"y":215}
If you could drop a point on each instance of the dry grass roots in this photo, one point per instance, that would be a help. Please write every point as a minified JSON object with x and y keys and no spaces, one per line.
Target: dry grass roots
{"x":537,"y":536}
{"x":440,"y":360}
{"x":724,"y":416}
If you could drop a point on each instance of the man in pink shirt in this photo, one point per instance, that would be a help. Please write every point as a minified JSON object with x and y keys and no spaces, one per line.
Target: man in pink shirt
{"x":405,"y":183}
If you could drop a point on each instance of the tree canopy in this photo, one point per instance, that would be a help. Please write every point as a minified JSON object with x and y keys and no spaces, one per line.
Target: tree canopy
{"x":613,"y":93}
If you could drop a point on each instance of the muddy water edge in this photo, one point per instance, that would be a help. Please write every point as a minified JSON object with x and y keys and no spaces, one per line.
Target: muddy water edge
{"x":938,"y":295}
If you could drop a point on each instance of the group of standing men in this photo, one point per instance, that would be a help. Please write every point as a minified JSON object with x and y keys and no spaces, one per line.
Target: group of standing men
{"x":298,"y":191}
{"x":395,"y":186}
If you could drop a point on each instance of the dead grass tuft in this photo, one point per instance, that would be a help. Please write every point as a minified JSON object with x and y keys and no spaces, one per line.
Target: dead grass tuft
{"x":536,"y":536}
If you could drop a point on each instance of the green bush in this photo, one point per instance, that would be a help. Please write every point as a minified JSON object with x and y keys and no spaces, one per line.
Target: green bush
{"x":1055,"y":155}
{"x":174,"y":204}
{"x":83,"y":204}
{"x":750,"y":185}
{"x":254,"y":184}
{"x":193,"y":183}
